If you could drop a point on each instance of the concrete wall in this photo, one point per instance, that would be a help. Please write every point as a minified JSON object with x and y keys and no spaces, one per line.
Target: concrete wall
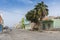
{"x":56,"y":23}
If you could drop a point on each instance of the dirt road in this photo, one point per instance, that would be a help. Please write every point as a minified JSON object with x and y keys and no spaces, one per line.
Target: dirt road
{"x":16,"y":34}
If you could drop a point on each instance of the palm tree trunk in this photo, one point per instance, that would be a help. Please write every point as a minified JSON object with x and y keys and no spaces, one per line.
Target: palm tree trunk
{"x":32,"y":25}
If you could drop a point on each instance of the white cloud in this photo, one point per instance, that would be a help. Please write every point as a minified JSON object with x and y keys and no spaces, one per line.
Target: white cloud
{"x":12,"y":16}
{"x":54,"y":9}
{"x":1,"y":13}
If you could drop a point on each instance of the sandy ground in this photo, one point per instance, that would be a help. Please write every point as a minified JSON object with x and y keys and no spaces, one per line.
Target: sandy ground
{"x":18,"y":34}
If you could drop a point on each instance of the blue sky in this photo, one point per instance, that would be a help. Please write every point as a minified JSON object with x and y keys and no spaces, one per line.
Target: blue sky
{"x":13,"y":10}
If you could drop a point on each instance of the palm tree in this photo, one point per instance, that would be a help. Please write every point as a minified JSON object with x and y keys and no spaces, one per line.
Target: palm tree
{"x":41,"y":10}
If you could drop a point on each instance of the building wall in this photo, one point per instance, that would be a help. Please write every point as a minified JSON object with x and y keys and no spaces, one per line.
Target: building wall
{"x":47,"y":24}
{"x":1,"y":24}
{"x":56,"y":23}
{"x":27,"y":26}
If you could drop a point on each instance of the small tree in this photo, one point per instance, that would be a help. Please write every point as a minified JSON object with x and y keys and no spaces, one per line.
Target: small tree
{"x":23,"y":25}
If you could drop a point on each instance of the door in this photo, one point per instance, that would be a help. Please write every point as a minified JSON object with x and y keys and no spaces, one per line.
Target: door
{"x":1,"y":27}
{"x":44,"y":27}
